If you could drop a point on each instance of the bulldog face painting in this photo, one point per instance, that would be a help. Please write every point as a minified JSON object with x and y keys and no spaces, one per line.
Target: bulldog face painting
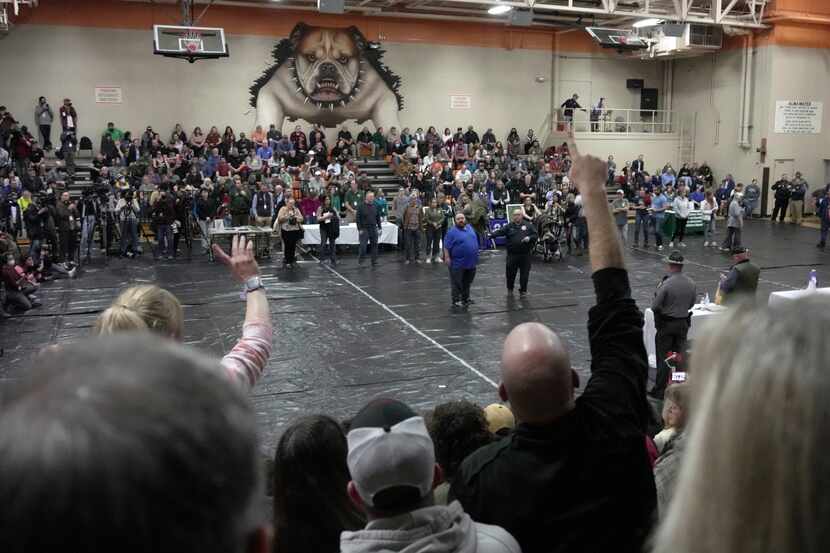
{"x":327,"y":76}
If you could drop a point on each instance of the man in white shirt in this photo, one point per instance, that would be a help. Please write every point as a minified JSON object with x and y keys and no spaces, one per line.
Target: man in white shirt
{"x":464,"y":175}
{"x":334,"y":169}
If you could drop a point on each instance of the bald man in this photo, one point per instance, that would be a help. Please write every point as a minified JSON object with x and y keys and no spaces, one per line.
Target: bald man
{"x":574,"y":476}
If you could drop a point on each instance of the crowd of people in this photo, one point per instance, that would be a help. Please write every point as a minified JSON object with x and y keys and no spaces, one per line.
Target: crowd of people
{"x":165,"y":194}
{"x":134,"y":435}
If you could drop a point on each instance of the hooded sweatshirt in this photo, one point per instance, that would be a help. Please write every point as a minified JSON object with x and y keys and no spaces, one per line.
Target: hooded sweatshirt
{"x":435,"y":529}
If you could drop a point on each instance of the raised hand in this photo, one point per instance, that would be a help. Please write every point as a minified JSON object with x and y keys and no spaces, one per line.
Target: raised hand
{"x":241,"y":261}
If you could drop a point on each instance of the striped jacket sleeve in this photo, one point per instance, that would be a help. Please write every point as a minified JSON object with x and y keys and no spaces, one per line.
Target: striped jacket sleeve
{"x":246,"y":361}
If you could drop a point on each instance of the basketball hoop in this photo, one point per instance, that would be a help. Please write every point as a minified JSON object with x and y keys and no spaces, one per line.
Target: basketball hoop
{"x":190,"y":43}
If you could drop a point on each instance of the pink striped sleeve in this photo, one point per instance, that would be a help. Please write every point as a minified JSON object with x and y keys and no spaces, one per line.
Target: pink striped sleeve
{"x":246,"y":361}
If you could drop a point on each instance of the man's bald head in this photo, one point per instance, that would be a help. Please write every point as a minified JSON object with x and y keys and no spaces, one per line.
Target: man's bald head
{"x":537,"y":378}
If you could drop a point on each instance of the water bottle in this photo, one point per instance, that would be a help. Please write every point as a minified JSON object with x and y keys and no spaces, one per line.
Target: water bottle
{"x":706,"y":299}
{"x":813,"y":282}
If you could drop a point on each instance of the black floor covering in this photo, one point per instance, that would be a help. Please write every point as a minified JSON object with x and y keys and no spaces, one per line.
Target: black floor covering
{"x":343,"y":338}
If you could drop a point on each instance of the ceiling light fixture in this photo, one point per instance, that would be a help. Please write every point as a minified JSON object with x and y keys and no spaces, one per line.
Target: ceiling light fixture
{"x":499,"y":9}
{"x":646,"y":23}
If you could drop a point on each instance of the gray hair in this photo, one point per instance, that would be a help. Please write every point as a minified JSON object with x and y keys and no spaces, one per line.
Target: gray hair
{"x":127,"y":436}
{"x":756,"y":477}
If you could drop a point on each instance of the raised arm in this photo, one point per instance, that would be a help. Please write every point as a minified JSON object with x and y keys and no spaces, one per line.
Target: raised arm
{"x":619,"y":365}
{"x":590,"y":174}
{"x":247,"y":359}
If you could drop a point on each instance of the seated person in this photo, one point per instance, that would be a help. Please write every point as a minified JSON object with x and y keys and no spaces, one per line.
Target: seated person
{"x":20,"y":292}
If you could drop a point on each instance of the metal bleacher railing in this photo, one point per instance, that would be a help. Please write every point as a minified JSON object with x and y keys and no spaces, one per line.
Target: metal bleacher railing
{"x":612,"y":120}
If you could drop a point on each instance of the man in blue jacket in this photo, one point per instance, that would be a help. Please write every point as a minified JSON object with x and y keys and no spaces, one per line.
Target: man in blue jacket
{"x":461,"y":256}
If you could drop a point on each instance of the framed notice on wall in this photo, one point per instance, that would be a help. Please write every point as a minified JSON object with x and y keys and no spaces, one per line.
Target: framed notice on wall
{"x":461,"y":101}
{"x":796,"y":117}
{"x":108,"y":95}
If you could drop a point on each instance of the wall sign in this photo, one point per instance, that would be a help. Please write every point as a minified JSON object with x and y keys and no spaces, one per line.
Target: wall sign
{"x":461,"y":101}
{"x":794,"y":117}
{"x":108,"y":95}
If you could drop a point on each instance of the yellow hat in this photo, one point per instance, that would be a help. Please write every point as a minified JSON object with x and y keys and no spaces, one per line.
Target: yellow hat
{"x":499,"y":417}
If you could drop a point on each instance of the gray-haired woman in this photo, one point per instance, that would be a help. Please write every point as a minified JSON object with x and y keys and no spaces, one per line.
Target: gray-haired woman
{"x":755,"y":476}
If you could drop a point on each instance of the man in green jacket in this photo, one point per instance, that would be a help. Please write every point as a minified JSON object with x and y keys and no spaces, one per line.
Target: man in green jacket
{"x":240,"y":205}
{"x":741,"y":284}
{"x":379,"y":140}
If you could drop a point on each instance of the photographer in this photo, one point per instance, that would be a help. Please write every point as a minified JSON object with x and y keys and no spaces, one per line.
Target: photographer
{"x":69,"y":145}
{"x":35,"y":218}
{"x":128,"y":210}
{"x":88,"y":213}
{"x":289,"y":222}
{"x":163,"y":215}
{"x":44,"y":117}
{"x":66,"y":221}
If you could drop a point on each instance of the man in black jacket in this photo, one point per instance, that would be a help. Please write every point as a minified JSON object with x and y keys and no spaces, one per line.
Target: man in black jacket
{"x":66,"y":215}
{"x":782,"y":198}
{"x":521,"y":235}
{"x":574,"y":476}
{"x":35,"y":218}
{"x":368,"y":227}
{"x":164,"y":214}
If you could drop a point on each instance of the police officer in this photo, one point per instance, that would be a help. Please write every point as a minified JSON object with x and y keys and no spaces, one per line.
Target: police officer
{"x":673,"y":299}
{"x":741,"y":283}
{"x":521,"y":235}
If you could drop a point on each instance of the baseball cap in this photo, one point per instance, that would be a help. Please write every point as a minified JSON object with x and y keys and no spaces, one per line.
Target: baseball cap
{"x":499,"y":417}
{"x":390,"y":449}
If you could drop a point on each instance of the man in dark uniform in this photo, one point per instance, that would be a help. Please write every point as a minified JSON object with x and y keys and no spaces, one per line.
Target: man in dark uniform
{"x":741,"y":283}
{"x":782,"y":198}
{"x":520,"y":236}
{"x":673,"y":299}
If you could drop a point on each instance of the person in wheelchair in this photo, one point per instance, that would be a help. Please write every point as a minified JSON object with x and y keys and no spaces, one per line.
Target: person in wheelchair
{"x":550,"y":226}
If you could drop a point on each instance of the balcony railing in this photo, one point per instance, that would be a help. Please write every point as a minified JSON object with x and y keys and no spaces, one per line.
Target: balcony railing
{"x":631,"y":121}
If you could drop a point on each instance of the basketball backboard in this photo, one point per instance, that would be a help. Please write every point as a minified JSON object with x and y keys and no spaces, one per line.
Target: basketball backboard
{"x":620,"y":39}
{"x":190,"y":43}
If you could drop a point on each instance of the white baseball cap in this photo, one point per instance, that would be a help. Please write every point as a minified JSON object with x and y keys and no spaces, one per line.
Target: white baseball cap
{"x":389,"y":447}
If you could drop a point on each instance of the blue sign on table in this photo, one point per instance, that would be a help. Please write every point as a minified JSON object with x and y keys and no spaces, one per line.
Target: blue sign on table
{"x":496,"y":224}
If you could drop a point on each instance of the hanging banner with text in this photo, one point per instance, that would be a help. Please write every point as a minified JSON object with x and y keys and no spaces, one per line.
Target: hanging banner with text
{"x":461,"y":101}
{"x":108,"y":95}
{"x":793,"y":117}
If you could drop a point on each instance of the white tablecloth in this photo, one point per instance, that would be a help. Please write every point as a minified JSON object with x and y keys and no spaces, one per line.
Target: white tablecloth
{"x":349,"y":235}
{"x":777,"y":298}
{"x":700,"y":315}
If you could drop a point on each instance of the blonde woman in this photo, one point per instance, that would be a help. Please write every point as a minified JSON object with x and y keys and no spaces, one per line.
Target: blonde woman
{"x":149,"y":307}
{"x":754,"y":477}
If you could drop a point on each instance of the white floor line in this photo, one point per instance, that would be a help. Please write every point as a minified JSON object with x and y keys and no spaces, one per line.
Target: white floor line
{"x":415,"y":329}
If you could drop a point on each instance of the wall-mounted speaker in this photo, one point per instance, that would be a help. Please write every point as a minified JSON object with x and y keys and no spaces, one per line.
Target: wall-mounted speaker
{"x":330,"y":6}
{"x":634,"y":83}
{"x":648,"y":100}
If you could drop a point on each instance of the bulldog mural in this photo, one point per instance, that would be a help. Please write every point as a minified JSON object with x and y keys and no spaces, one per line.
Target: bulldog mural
{"x":327,"y":76}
